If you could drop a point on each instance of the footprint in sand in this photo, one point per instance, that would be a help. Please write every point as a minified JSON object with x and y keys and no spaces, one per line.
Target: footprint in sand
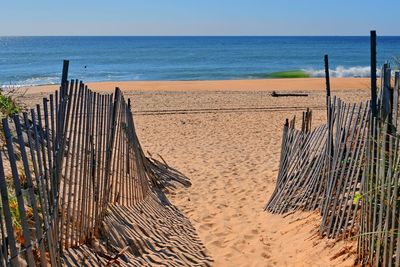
{"x":206,"y":226}
{"x":265,"y":255}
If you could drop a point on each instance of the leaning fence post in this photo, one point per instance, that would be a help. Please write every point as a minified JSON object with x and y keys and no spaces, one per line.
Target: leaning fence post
{"x":30,"y":188}
{"x":387,"y":94}
{"x":65,"y":72}
{"x":395,"y":99}
{"x":328,"y":102}
{"x":7,"y":216}
{"x":27,"y":245}
{"x":327,"y":81}
{"x":373,"y":73}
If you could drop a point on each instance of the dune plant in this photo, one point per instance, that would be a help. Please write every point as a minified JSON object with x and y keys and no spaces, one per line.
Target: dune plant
{"x":8,"y":105}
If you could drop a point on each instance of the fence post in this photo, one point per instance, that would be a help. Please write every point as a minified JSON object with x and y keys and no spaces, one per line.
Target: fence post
{"x":27,"y":245}
{"x":395,"y":99}
{"x":7,"y":216}
{"x":64,"y":77}
{"x":327,"y":81}
{"x":387,"y":94}
{"x":373,"y":73}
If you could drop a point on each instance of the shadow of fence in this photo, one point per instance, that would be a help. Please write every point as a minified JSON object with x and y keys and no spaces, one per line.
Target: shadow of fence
{"x":348,"y":170}
{"x":66,"y":167}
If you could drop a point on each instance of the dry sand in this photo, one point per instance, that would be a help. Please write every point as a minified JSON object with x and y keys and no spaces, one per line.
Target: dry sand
{"x":304,"y":84}
{"x":225,"y":136}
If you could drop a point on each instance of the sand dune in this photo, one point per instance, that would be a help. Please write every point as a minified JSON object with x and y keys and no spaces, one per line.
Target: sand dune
{"x":225,"y":136}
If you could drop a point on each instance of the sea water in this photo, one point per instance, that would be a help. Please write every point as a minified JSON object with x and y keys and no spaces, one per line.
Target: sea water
{"x":38,"y":60}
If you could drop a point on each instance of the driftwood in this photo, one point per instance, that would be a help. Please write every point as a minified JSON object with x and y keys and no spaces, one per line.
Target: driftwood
{"x":275,"y":94}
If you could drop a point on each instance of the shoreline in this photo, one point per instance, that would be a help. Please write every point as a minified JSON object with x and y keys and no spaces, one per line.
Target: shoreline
{"x":284,"y":84}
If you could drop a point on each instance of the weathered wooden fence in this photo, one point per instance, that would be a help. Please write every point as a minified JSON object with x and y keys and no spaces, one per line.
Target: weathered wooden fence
{"x":344,"y":156}
{"x":348,"y":169}
{"x":379,"y":237}
{"x":61,"y":165}
{"x":301,"y":164}
{"x":318,"y":167}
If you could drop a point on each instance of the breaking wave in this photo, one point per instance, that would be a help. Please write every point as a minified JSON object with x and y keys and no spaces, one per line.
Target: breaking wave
{"x":341,"y":71}
{"x":44,"y":80}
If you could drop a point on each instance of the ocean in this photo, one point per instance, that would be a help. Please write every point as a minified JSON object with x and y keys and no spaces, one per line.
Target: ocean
{"x":38,"y":60}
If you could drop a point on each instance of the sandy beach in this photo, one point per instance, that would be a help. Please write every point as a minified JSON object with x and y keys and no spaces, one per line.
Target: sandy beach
{"x":303,"y":84}
{"x":226,"y":136}
{"x":200,"y":133}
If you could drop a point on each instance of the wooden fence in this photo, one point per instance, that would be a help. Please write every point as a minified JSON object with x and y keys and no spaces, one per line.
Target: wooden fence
{"x":348,"y":169}
{"x":344,"y":156}
{"x":301,"y":164}
{"x":379,"y":237}
{"x":62,"y":165}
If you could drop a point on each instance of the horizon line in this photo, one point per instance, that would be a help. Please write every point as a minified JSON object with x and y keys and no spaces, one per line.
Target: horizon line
{"x":79,"y":35}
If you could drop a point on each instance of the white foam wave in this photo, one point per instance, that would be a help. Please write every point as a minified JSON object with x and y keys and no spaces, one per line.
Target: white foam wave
{"x":341,"y":71}
{"x":31,"y":82}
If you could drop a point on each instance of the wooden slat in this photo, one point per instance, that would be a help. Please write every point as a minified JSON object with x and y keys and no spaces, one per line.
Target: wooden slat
{"x":79,"y":153}
{"x":26,"y":245}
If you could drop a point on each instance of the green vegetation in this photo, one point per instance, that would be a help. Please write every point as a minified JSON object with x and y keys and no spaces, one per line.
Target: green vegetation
{"x":8,"y":105}
{"x":357,"y":197}
{"x":285,"y":74}
{"x":289,"y":74}
{"x":14,"y":207}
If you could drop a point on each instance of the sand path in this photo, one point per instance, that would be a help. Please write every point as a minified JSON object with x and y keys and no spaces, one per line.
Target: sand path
{"x":230,"y":151}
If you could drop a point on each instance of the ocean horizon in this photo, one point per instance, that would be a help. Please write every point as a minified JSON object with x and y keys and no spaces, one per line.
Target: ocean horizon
{"x":37,"y":60}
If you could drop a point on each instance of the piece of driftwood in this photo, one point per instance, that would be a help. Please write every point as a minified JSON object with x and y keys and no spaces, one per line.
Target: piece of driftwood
{"x":275,"y":94}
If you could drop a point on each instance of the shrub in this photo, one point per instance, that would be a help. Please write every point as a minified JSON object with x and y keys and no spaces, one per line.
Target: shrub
{"x":8,"y":105}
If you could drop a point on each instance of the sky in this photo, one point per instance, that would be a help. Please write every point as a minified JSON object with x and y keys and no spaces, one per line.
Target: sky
{"x":198,"y":17}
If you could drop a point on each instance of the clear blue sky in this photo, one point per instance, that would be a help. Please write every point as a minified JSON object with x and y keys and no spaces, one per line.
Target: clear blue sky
{"x":199,"y":17}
